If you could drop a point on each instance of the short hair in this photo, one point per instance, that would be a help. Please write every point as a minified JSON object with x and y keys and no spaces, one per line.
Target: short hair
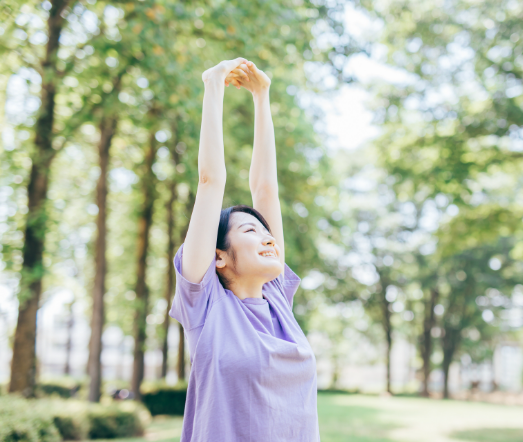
{"x":222,"y":241}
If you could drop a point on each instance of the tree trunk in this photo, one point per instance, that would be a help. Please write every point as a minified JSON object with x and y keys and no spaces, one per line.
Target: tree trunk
{"x":107,"y":131}
{"x":180,"y":368}
{"x":426,"y":340}
{"x":170,"y":275}
{"x":23,"y":362}
{"x":69,"y":343}
{"x":388,"y":335}
{"x":145,"y":219}
{"x":387,"y":328}
{"x":335,"y":372}
{"x":181,"y":343}
{"x":455,"y":320}
{"x":450,"y":344}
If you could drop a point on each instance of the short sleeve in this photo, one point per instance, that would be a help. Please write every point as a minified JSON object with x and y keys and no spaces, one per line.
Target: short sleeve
{"x":192,"y":301}
{"x":287,"y":284}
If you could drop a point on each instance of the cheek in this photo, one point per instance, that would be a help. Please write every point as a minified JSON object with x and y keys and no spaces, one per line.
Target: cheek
{"x":246,"y":244}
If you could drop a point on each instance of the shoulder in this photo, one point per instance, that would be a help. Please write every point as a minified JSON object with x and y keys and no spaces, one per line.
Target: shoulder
{"x":209,"y":277}
{"x":285,"y":285}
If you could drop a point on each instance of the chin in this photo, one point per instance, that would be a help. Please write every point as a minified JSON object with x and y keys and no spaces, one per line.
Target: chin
{"x":273,"y":269}
{"x":278,"y":268}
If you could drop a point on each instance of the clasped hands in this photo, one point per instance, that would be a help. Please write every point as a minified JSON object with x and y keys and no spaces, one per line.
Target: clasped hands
{"x":240,"y":73}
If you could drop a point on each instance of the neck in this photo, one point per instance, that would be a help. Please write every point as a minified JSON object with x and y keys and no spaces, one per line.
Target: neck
{"x":247,"y":289}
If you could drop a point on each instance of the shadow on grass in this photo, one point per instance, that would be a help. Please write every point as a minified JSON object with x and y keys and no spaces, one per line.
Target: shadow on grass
{"x":490,"y":435}
{"x":354,"y":423}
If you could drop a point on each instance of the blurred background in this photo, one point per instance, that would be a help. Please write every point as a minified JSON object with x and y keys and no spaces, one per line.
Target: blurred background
{"x":399,"y":132}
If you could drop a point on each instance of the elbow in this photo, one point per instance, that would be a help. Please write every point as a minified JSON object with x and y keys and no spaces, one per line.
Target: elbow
{"x":214,"y":179}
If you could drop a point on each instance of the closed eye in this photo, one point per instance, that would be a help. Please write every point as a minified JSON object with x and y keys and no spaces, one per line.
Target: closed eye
{"x":250,"y":230}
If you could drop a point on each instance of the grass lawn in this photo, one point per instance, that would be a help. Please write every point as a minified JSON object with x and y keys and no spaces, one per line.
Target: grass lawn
{"x":358,"y":418}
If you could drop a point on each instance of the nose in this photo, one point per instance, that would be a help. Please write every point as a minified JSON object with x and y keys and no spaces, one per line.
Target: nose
{"x":269,"y":240}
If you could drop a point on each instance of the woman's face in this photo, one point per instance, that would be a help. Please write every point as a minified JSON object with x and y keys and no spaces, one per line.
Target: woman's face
{"x":249,"y":239}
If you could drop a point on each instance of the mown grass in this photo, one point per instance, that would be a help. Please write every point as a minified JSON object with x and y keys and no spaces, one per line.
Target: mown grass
{"x":490,"y":434}
{"x":359,"y":418}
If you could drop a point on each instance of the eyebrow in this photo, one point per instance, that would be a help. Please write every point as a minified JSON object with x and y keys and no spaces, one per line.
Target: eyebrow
{"x":244,"y":224}
{"x":252,"y":224}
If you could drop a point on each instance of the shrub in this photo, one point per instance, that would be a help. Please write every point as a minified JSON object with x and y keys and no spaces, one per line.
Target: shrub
{"x":115,"y":421}
{"x":24,"y":420}
{"x":63,"y":387}
{"x":165,"y":400}
{"x":71,"y":427}
{"x":70,"y":418}
{"x":53,"y":420}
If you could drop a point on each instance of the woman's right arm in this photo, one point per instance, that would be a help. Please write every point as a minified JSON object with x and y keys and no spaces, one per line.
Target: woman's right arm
{"x":200,"y":243}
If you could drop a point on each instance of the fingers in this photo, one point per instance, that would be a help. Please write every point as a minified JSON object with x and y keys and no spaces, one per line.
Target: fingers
{"x":230,"y":77}
{"x":229,"y":65}
{"x":246,"y":67}
{"x":240,"y":73}
{"x":234,"y":80}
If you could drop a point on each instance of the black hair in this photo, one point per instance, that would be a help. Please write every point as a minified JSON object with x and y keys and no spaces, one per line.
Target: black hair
{"x":222,"y":241}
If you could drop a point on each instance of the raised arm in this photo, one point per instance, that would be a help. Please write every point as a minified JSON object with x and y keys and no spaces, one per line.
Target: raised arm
{"x":263,"y":177}
{"x":200,"y":243}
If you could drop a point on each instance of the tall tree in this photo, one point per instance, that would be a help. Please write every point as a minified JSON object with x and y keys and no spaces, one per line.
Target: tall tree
{"x":107,"y":131}
{"x":173,"y":43}
{"x":475,"y":293}
{"x":23,"y":363}
{"x":169,"y":276}
{"x":426,"y":345}
{"x":448,"y":132}
{"x":106,"y":114}
{"x":69,"y":342}
{"x":145,"y":219}
{"x":177,"y":148}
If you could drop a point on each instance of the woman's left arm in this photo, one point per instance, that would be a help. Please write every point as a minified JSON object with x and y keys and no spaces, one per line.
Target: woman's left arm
{"x":263,"y":177}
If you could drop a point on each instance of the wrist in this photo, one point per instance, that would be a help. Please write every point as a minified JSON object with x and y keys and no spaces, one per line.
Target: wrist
{"x":213,"y":83}
{"x":261,"y":95}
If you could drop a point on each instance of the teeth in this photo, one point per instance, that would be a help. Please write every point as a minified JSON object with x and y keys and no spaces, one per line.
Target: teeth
{"x":267,"y":254}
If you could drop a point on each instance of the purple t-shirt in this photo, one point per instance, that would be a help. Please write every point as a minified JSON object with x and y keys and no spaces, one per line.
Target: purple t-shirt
{"x":253,"y":374}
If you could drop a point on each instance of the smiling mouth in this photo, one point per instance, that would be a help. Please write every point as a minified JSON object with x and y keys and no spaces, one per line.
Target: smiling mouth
{"x":268,"y":255}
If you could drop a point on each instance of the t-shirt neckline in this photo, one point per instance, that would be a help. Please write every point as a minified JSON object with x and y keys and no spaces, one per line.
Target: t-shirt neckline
{"x":258,"y":301}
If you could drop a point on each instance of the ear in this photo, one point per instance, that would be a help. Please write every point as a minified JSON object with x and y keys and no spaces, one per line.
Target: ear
{"x":220,"y":259}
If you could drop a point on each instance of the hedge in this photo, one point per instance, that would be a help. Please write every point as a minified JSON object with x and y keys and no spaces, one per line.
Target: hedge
{"x":114,"y":422}
{"x":56,"y":389}
{"x":165,"y":401}
{"x":26,"y":421}
{"x":46,"y":420}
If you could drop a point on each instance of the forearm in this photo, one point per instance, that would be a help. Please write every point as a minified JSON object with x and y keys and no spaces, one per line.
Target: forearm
{"x":211,"y":158}
{"x":263,"y":172}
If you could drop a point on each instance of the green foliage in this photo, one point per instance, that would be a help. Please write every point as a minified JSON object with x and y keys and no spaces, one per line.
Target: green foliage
{"x":43,"y":420}
{"x":112,"y":422}
{"x":66,"y":391}
{"x":165,"y":400}
{"x":451,"y":151}
{"x":141,"y":63}
{"x":71,"y":426}
{"x":26,"y":421}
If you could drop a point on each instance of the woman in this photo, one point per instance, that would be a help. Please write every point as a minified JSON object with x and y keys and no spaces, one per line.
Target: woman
{"x":253,"y":375}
